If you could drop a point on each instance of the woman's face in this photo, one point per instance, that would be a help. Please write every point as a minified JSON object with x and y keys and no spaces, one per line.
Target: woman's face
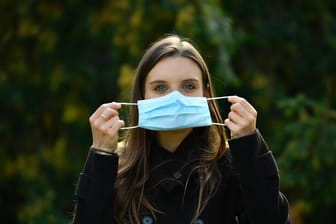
{"x":174,"y":73}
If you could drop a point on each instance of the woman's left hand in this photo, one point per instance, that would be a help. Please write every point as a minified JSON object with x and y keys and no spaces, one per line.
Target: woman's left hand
{"x":242,"y":118}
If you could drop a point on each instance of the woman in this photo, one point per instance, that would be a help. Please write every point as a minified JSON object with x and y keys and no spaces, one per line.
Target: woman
{"x":177,"y":169}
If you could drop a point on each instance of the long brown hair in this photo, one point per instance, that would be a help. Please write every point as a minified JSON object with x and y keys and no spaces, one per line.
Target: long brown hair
{"x":133,"y":162}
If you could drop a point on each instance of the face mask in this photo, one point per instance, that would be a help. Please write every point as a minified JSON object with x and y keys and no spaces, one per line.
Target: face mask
{"x":173,"y":111}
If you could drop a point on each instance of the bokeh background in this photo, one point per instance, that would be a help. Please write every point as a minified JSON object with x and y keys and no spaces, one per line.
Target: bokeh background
{"x":59,"y":60}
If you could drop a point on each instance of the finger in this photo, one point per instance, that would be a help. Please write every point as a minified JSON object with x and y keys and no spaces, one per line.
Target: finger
{"x":238,"y":109}
{"x":113,"y":130}
{"x":245,"y":104}
{"x":241,"y":123}
{"x":235,"y":118}
{"x":105,"y":116}
{"x":110,"y":129}
{"x":244,"y":109}
{"x":107,"y":125}
{"x":108,"y":113}
{"x":232,"y":126}
{"x":113,"y":105}
{"x":100,"y":110}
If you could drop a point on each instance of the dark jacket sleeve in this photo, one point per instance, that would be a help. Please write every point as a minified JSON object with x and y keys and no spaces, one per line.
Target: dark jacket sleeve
{"x":94,"y":192}
{"x":259,"y":179}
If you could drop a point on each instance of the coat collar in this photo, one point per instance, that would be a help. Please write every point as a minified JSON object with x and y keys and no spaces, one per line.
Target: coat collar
{"x":169,"y":170}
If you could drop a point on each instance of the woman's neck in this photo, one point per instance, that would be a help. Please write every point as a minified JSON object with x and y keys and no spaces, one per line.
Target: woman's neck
{"x":170,"y":140}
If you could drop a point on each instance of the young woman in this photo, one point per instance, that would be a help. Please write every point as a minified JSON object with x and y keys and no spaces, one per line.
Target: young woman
{"x":177,"y":166}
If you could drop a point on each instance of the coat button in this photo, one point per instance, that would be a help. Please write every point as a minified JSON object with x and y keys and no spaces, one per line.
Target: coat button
{"x":199,"y":221}
{"x":147,"y":220}
{"x":177,"y":175}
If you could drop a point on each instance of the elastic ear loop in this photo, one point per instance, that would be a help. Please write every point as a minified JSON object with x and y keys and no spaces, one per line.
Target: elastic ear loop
{"x":128,"y":104}
{"x":218,"y":98}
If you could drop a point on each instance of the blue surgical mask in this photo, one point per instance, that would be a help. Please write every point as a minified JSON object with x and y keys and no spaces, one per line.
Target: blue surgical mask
{"x":173,"y":111}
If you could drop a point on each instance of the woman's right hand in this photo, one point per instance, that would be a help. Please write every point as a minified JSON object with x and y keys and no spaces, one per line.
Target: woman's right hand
{"x":105,"y":124}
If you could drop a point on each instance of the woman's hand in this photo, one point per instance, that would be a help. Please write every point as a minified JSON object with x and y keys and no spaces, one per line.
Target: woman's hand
{"x":242,"y":118}
{"x":105,"y":124}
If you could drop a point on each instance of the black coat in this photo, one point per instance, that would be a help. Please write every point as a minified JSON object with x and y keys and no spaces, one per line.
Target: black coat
{"x":248,"y":192}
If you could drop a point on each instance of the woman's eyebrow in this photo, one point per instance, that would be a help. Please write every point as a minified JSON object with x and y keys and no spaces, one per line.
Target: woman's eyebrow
{"x":184,"y":80}
{"x":191,"y":80}
{"x":157,"y":81}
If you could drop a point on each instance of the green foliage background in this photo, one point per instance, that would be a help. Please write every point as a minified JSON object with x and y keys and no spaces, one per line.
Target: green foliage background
{"x":59,"y":60}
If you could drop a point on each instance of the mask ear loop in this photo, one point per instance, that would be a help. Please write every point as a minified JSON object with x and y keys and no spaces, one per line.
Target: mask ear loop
{"x":128,"y":104}
{"x":127,"y":128}
{"x":218,"y":98}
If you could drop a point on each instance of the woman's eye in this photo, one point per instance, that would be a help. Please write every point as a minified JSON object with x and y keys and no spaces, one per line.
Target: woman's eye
{"x":160,"y":88}
{"x":189,"y":87}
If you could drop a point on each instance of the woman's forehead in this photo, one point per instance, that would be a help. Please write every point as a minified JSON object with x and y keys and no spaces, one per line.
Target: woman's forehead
{"x":171,"y":68}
